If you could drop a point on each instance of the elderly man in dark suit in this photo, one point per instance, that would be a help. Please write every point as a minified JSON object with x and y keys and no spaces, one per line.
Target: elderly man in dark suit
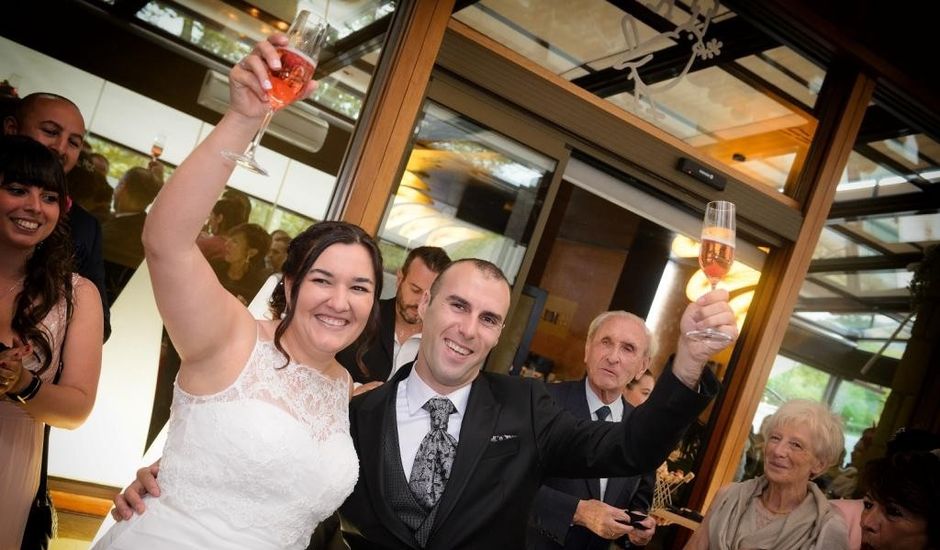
{"x":452,"y":457}
{"x":399,"y":333}
{"x":588,"y":514}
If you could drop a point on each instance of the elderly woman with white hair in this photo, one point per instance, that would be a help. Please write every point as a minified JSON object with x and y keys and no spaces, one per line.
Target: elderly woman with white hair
{"x":782,"y":509}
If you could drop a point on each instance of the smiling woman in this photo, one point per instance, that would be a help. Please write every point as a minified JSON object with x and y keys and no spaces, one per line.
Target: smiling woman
{"x":39,"y":298}
{"x":782,"y":508}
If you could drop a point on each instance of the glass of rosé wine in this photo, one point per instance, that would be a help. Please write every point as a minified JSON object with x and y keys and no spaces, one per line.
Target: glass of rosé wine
{"x":716,"y":255}
{"x":156,"y":148}
{"x":306,"y":35}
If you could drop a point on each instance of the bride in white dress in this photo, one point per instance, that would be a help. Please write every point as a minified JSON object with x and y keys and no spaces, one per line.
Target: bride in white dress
{"x":258,"y":448}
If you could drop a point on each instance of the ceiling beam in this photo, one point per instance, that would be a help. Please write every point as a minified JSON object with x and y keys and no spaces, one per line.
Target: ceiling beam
{"x":461,"y":4}
{"x":645,"y":15}
{"x":926,"y":201}
{"x":898,"y":304}
{"x":837,"y":358}
{"x":351,"y":48}
{"x":865,"y":263}
{"x":740,"y":39}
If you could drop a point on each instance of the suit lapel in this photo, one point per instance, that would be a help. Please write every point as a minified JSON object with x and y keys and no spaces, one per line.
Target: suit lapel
{"x":371,"y":441}
{"x":477,"y":427}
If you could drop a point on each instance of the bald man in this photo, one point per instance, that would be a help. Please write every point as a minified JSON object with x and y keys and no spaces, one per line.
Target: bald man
{"x":57,"y":123}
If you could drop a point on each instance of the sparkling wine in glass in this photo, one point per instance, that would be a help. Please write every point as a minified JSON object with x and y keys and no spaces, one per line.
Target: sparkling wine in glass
{"x":156,"y":148}
{"x":305,"y":36}
{"x":716,"y":255}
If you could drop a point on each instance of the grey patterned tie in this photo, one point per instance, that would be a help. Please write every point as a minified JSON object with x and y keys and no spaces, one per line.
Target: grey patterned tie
{"x":602,"y":412}
{"x":435,"y":456}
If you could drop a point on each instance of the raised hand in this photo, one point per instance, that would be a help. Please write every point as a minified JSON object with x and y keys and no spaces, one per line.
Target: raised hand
{"x":711,"y":310}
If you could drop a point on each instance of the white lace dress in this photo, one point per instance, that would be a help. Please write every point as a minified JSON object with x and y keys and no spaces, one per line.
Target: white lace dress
{"x":255,"y":466}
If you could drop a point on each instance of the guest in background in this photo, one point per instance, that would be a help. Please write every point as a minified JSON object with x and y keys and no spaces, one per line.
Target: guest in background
{"x":276,"y":255}
{"x":782,"y":509}
{"x":100,"y":163}
{"x":880,"y":527}
{"x":639,"y":389}
{"x":50,"y":316}
{"x":123,"y":249}
{"x":242,"y":270}
{"x":226,"y":214}
{"x":845,"y":485}
{"x":241,"y":198}
{"x":902,"y":502}
{"x":274,"y":260}
{"x":91,"y":190}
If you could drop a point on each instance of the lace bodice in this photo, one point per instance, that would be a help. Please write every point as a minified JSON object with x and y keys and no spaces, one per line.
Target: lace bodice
{"x":271,"y":453}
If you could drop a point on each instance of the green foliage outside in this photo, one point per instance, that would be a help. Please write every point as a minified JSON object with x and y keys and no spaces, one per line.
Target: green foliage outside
{"x":799,"y":382}
{"x":859,"y":405}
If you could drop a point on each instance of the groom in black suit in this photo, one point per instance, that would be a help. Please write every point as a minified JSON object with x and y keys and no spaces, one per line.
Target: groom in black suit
{"x":451,"y":457}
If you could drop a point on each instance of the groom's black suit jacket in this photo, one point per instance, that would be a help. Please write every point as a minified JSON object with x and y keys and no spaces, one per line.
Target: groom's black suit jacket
{"x":512,"y":437}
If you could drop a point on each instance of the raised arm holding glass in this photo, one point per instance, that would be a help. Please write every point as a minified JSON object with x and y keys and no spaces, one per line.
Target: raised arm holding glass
{"x":258,"y":448}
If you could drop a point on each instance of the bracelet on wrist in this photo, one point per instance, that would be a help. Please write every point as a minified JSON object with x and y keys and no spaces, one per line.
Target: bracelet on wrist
{"x":29,"y":391}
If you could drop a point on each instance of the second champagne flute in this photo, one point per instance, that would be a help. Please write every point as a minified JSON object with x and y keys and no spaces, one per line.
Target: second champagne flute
{"x":305,"y":37}
{"x":156,"y":148}
{"x":716,"y":255}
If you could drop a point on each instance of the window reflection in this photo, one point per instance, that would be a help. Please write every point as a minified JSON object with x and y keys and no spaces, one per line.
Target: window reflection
{"x":229,"y":34}
{"x":467,"y":189}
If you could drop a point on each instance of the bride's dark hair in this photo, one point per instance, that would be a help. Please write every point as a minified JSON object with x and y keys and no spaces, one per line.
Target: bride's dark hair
{"x":48,"y":277}
{"x":303,"y":251}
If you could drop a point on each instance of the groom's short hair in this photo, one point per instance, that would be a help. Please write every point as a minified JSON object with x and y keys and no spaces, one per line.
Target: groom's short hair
{"x":487,"y":268}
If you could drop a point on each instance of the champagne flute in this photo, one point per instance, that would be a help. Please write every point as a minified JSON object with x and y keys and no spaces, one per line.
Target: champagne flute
{"x":156,"y":148}
{"x":306,"y":36}
{"x":716,"y":255}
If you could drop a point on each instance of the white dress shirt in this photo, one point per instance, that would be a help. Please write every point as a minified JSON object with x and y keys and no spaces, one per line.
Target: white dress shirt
{"x":402,"y":354}
{"x":616,"y":415}
{"x":414,"y":422}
